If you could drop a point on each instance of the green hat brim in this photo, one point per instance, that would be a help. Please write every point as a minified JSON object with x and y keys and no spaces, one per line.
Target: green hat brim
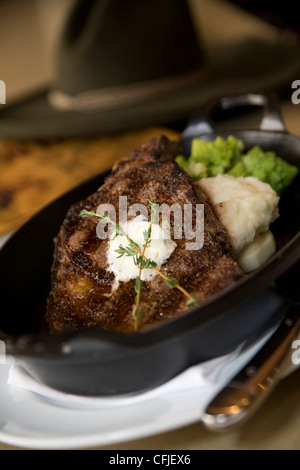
{"x":253,"y":66}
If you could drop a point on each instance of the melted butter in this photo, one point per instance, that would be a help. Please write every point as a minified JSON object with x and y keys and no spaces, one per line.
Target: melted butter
{"x":159,"y":250}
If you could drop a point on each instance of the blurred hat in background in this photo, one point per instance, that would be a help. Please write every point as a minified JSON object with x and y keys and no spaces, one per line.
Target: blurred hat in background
{"x":126,"y":64}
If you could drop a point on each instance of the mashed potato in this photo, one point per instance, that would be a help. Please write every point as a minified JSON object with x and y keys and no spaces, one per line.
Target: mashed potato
{"x":245,"y":206}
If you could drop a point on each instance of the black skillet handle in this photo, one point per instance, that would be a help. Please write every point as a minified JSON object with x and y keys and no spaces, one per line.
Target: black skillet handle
{"x":202,"y":122}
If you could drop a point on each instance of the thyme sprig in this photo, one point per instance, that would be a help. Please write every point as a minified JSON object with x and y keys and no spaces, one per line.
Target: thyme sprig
{"x":139,"y":258}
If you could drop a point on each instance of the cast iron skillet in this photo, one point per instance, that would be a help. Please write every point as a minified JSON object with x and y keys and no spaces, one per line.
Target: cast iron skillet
{"x":96,"y":362}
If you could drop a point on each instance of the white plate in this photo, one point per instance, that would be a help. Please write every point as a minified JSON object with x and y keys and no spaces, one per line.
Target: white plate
{"x":30,"y":421}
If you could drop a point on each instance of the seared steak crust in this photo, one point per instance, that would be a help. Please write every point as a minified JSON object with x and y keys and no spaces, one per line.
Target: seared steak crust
{"x":81,"y":294}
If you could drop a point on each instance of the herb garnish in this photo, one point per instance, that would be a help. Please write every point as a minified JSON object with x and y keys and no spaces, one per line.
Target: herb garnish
{"x":139,"y":258}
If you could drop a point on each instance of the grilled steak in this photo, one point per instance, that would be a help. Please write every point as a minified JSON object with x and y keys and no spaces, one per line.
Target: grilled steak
{"x":82,"y":292}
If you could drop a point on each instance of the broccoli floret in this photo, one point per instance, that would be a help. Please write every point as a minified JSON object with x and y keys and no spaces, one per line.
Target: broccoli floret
{"x":215,"y":170}
{"x":227,"y":156}
{"x":219,"y":154}
{"x":211,"y":158}
{"x":268,"y":167}
{"x":182,"y":161}
{"x":238,"y":170}
{"x":196,"y":170}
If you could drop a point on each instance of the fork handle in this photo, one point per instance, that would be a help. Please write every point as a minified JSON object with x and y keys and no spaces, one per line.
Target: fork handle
{"x":247,"y":390}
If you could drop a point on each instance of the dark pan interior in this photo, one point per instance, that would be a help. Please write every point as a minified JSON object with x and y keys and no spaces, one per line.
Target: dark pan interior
{"x":25,"y":263}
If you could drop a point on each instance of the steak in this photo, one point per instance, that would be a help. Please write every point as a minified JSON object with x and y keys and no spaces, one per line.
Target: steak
{"x":82,"y":293}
